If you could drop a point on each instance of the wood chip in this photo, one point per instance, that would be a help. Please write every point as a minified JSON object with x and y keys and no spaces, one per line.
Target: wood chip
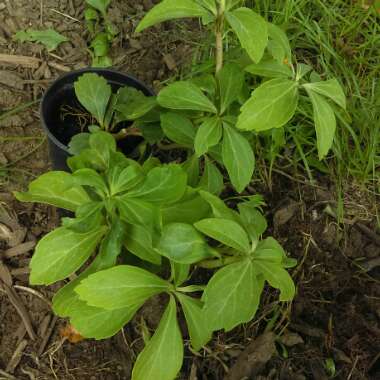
{"x":170,"y":62}
{"x":16,"y":357}
{"x":5,"y":274}
{"x":59,"y":67}
{"x":19,"y":249}
{"x":20,"y":60}
{"x":46,"y":338}
{"x":7,"y":375}
{"x":11,"y":79}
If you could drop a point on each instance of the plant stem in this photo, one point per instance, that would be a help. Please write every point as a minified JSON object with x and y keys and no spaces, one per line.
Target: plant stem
{"x":213,"y":264}
{"x":125,"y":132}
{"x":219,"y":36}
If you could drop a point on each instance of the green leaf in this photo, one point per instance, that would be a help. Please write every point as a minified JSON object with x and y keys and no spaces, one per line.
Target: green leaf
{"x":231,"y":80}
{"x":119,"y":287}
{"x":50,"y":38}
{"x":208,"y":4}
{"x":225,"y":231}
{"x":190,"y":209}
{"x":78,"y":143}
{"x":56,"y":189}
{"x":191,"y":166}
{"x":162,"y":357}
{"x":212,"y":179}
{"x":89,"y":177}
{"x":185,"y":95}
{"x":139,"y":242}
{"x":325,"y":122}
{"x":169,"y":10}
{"x":238,"y":158}
{"x":100,"y":5}
{"x":330,"y":89}
{"x":206,"y":83}
{"x":253,"y":220}
{"x":279,"y":45}
{"x":269,"y":250}
{"x":183,"y":244}
{"x":270,"y":69}
{"x":196,"y":322}
{"x":219,"y":209}
{"x":98,"y":323}
{"x":271,"y":105}
{"x":138,"y":212}
{"x":122,"y":179}
{"x":251,"y":29}
{"x":133,"y":104}
{"x":94,"y":93}
{"x":166,"y":184}
{"x":178,"y":128}
{"x":277,"y":277}
{"x":180,"y":272}
{"x":208,"y":135}
{"x":232,"y":296}
{"x":66,"y":301}
{"x":61,"y":252}
{"x":101,"y":47}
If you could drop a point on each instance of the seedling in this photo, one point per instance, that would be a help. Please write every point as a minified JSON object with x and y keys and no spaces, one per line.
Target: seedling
{"x":102,"y":32}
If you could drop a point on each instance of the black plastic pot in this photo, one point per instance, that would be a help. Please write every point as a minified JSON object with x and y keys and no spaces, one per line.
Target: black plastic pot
{"x":61,"y":94}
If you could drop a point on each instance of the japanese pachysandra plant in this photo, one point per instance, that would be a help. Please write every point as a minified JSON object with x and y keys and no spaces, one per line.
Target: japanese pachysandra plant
{"x":218,"y":115}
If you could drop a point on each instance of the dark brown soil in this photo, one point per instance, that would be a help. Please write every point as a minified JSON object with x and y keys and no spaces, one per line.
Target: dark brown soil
{"x":335,"y":316}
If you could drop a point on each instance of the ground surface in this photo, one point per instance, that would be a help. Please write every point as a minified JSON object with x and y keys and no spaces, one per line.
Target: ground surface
{"x":334,"y":320}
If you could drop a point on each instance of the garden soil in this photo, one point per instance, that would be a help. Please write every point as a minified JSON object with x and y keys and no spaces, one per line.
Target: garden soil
{"x":330,"y":330}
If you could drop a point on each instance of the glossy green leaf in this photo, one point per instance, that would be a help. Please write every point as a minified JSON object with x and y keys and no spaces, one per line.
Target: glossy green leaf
{"x":208,"y":135}
{"x":270,"y":69}
{"x":330,"y":89}
{"x":225,"y":231}
{"x":212,"y":179}
{"x":208,"y":4}
{"x":78,"y":143}
{"x":100,"y":5}
{"x":271,"y":105}
{"x":120,"y":287}
{"x":100,"y":47}
{"x":253,"y":220}
{"x":49,"y":37}
{"x":139,"y":241}
{"x":178,"y":128}
{"x":269,"y":250}
{"x":232,"y":296}
{"x":192,"y":168}
{"x":169,"y":10}
{"x":238,"y":158}
{"x":56,"y":189}
{"x":94,"y":93}
{"x":162,"y":357}
{"x":61,"y":252}
{"x":219,"y":208}
{"x":196,"y":321}
{"x":122,"y":179}
{"x":184,"y":95}
{"x":89,"y":177}
{"x":133,"y":104}
{"x":166,"y":184}
{"x":251,"y":29}
{"x":325,"y":123}
{"x":180,"y":272}
{"x":66,"y":301}
{"x":183,"y":244}
{"x":231,"y":80}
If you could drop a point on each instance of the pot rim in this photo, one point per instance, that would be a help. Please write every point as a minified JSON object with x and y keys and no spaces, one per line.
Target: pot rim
{"x":76,"y":73}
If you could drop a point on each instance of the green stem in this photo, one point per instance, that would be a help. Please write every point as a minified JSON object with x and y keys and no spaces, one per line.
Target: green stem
{"x":219,"y":36}
{"x":213,"y":264}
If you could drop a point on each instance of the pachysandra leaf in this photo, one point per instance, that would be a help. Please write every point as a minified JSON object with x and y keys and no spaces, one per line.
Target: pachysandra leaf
{"x":231,"y":80}
{"x":166,"y":184}
{"x":180,"y":272}
{"x":269,"y":250}
{"x":61,"y":252}
{"x":251,"y":29}
{"x":279,"y":45}
{"x":94,"y":93}
{"x":330,"y":89}
{"x":271,"y":105}
{"x":270,"y":69}
{"x":325,"y":122}
{"x":212,"y":179}
{"x":178,"y":128}
{"x":208,"y":135}
{"x":100,"y":5}
{"x":162,"y":357}
{"x":56,"y":189}
{"x":238,"y":158}
{"x":122,"y":179}
{"x":232,"y":296}
{"x":225,"y":231}
{"x":185,"y":95}
{"x":219,"y":208}
{"x":253,"y":220}
{"x":120,"y":287}
{"x":182,"y":243}
{"x":192,"y":168}
{"x":196,"y":321}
